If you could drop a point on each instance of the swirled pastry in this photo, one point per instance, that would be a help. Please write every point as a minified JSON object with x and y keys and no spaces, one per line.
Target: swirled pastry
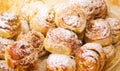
{"x":109,"y":52}
{"x":70,"y":17}
{"x":9,"y":25}
{"x":20,"y":55}
{"x":3,"y":44}
{"x":35,"y":39}
{"x":60,"y":62}
{"x":115,"y":27}
{"x":92,"y":8}
{"x":98,"y":31}
{"x":40,"y":16}
{"x":62,"y":41}
{"x":90,"y":57}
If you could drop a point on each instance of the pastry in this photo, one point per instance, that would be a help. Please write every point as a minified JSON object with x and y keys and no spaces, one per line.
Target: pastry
{"x":90,"y":57}
{"x":115,"y":28}
{"x":109,"y":52}
{"x":20,"y":55}
{"x":35,"y":39}
{"x":3,"y":44}
{"x":60,"y":62}
{"x":70,"y":17}
{"x":29,"y":9}
{"x":62,"y":41}
{"x":92,"y":8}
{"x":40,"y":16}
{"x":110,"y":66}
{"x":9,"y":25}
{"x":98,"y":31}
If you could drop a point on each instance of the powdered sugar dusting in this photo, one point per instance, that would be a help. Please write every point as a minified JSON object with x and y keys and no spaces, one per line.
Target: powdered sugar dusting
{"x":62,"y":34}
{"x":57,"y":60}
{"x":98,"y":29}
{"x":4,"y":18}
{"x":89,"y":55}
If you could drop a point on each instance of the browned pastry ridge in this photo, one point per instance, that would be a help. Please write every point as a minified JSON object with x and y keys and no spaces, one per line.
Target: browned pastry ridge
{"x":20,"y":55}
{"x":115,"y":28}
{"x":40,"y":16}
{"x":92,"y":8}
{"x":60,"y":62}
{"x":70,"y":17}
{"x":62,"y":41}
{"x":35,"y":39}
{"x":98,"y":31}
{"x":9,"y":25}
{"x":90,"y":57}
{"x":3,"y":44}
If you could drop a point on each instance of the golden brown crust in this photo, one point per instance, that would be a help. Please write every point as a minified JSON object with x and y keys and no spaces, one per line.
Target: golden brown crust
{"x":70,"y":17}
{"x":60,"y":62}
{"x":20,"y":55}
{"x":35,"y":39}
{"x":98,"y":31}
{"x":90,"y":57}
{"x":9,"y":25}
{"x":61,"y":41}
{"x":115,"y":28}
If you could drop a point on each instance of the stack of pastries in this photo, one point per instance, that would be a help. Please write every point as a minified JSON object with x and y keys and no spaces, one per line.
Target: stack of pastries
{"x":49,"y":35}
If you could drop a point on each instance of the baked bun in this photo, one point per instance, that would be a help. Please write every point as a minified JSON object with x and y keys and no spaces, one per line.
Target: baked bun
{"x":61,"y":41}
{"x":20,"y":55}
{"x":98,"y":31}
{"x":3,"y":44}
{"x":40,"y":16}
{"x":9,"y":25}
{"x":115,"y":28}
{"x":60,"y":62}
{"x":35,"y":39}
{"x":92,"y":8}
{"x":70,"y":17}
{"x":90,"y":57}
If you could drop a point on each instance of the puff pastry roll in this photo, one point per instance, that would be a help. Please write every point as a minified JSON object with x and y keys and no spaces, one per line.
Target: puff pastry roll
{"x":98,"y":31}
{"x":60,"y":62}
{"x":90,"y":57}
{"x":9,"y":25}
{"x":20,"y":55}
{"x":70,"y":17}
{"x":40,"y":16}
{"x":115,"y":28}
{"x":62,"y":41}
{"x":92,"y":8}
{"x":35,"y":39}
